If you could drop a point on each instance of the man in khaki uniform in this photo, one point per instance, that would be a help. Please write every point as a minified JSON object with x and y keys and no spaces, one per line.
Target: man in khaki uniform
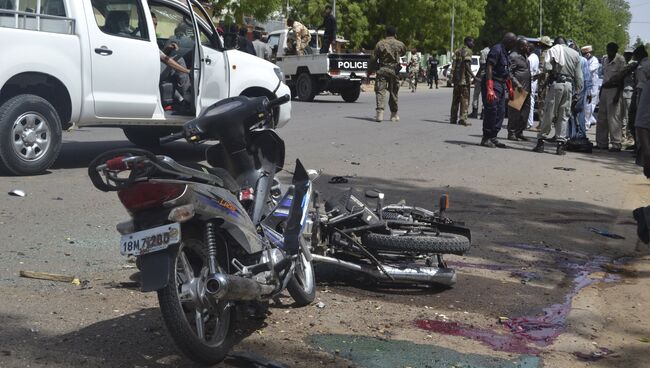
{"x":301,"y":34}
{"x":565,"y":76}
{"x":385,"y":62}
{"x":609,"y":126}
{"x":545,"y":43}
{"x":462,"y":78}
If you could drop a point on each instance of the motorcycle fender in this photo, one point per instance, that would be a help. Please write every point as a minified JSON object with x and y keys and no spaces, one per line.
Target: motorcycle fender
{"x":155,"y":269}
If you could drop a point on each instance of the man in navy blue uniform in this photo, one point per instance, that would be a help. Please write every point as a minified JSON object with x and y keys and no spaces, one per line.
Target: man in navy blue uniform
{"x":494,"y":87}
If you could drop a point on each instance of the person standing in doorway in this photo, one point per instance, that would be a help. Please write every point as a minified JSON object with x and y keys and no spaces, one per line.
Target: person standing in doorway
{"x":495,"y":86}
{"x":462,"y":78}
{"x":385,"y":61}
{"x":329,"y":28}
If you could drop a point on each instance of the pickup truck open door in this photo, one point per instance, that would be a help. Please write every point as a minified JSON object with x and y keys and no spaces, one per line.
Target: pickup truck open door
{"x":211,"y":74}
{"x":124,"y":59}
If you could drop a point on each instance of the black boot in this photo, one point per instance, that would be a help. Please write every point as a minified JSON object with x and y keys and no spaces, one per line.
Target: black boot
{"x":539,"y":147}
{"x":473,"y":115}
{"x":487,"y":142}
{"x":512,"y":136}
{"x":521,"y":137}
{"x":561,"y":148}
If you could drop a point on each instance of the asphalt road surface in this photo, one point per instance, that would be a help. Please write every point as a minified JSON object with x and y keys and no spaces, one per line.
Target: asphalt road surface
{"x":534,"y":255}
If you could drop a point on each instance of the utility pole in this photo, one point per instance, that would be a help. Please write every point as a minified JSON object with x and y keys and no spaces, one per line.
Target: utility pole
{"x":541,"y":11}
{"x":334,"y":8}
{"x":453,"y":15}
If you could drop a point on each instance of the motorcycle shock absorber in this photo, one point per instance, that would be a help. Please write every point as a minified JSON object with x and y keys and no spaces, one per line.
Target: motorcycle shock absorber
{"x":211,"y":242}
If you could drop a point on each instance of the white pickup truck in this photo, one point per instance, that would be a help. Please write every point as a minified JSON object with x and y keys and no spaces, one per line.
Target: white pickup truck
{"x":98,"y":63}
{"x":311,"y":74}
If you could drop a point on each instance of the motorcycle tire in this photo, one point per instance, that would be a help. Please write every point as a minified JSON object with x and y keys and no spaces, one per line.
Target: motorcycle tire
{"x":442,"y":243}
{"x":176,"y":314}
{"x":302,"y":286}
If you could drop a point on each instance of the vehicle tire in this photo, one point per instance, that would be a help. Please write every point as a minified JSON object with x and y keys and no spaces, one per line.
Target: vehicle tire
{"x":351,"y":94}
{"x":305,"y":87}
{"x":30,"y":135}
{"x":180,"y":303}
{"x":146,"y":136}
{"x":443,"y":243}
{"x":302,"y":286}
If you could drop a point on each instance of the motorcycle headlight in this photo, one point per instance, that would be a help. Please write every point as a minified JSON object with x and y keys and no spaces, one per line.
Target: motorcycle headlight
{"x":279,"y":74}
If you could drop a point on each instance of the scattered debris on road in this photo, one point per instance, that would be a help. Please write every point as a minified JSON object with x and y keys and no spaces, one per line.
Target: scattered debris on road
{"x":564,"y":168}
{"x":49,"y":277}
{"x":17,"y":193}
{"x":605,"y":233}
{"x":338,"y":180}
{"x":355,"y":163}
{"x":320,"y":305}
{"x":593,"y":356}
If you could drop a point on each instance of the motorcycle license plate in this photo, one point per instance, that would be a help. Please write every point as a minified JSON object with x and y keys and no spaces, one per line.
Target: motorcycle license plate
{"x":150,"y":240}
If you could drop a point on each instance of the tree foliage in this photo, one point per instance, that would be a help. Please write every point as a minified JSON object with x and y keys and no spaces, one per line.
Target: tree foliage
{"x":426,"y":24}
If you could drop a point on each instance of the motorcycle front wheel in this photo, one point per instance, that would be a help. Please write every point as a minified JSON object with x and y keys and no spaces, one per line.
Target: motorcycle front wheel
{"x":202,"y":327}
{"x":302,"y":286}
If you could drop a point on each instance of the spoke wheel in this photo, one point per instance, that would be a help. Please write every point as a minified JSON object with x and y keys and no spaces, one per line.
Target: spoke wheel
{"x":201,"y":326}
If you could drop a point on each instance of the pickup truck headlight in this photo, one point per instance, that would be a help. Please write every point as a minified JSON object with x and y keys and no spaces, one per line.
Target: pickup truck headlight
{"x":279,"y":73}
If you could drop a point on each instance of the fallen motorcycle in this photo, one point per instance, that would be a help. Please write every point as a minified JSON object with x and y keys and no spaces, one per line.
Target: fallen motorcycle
{"x":392,"y":243}
{"x":216,"y":243}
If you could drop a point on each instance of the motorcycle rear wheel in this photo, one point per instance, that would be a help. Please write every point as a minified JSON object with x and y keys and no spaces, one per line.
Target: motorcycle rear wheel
{"x":203,"y":329}
{"x":425,"y":242}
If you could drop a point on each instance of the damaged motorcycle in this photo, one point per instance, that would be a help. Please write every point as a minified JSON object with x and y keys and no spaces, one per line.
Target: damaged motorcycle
{"x":215,"y":242}
{"x":391,"y":244}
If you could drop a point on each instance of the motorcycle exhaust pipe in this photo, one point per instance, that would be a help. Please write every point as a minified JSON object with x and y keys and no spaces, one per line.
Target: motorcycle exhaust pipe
{"x":413,"y":274}
{"x":237,"y":288}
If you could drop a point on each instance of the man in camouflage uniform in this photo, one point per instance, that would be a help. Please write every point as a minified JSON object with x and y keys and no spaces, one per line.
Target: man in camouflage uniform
{"x":414,"y":69}
{"x":545,"y":43}
{"x":462,"y":78}
{"x":301,"y":34}
{"x":385,"y":62}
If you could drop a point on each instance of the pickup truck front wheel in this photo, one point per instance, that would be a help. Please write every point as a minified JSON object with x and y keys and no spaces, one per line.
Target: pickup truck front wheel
{"x":305,"y":87}
{"x":30,"y":135}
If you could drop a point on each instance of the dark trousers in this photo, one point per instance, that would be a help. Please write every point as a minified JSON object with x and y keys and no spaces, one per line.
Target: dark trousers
{"x":518,"y":119}
{"x":325,"y":47}
{"x":493,"y":113}
{"x":433,"y":76}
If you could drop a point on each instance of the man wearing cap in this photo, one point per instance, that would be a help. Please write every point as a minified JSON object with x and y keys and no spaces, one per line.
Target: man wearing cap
{"x":592,"y":97}
{"x":565,"y":76}
{"x":545,"y":43}
{"x":495,"y":85}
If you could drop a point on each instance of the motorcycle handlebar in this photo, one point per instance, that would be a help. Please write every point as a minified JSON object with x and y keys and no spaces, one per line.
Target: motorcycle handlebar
{"x":278,"y":101}
{"x":173,"y":137}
